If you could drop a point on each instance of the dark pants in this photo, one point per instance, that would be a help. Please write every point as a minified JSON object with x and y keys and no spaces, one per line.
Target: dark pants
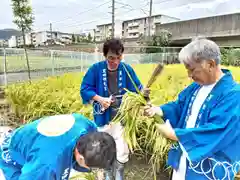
{"x":171,"y":174}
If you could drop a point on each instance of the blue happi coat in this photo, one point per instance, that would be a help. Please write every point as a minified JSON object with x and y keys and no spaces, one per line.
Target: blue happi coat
{"x":213,"y":145}
{"x":95,"y":82}
{"x":42,"y":150}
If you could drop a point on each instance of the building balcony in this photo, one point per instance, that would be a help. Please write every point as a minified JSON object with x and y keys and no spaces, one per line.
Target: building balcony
{"x":133,"y":36}
{"x":135,"y":30}
{"x":133,"y":24}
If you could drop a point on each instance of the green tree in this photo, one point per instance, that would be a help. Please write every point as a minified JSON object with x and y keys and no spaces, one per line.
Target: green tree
{"x":78,"y":39}
{"x":154,"y":44}
{"x":160,"y":39}
{"x":23,"y":18}
{"x":94,"y":36}
{"x":89,"y":38}
{"x":73,"y":38}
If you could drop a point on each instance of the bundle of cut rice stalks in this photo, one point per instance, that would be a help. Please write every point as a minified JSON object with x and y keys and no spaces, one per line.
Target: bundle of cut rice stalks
{"x":140,"y":131}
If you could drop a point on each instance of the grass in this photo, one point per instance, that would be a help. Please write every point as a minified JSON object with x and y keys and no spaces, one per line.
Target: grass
{"x":18,"y":63}
{"x":41,"y":61}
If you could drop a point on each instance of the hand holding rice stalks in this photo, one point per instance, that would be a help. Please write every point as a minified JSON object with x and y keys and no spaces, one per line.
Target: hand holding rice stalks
{"x":140,"y":130}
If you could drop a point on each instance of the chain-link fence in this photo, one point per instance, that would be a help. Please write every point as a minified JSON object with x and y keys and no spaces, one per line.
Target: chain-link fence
{"x":44,"y":63}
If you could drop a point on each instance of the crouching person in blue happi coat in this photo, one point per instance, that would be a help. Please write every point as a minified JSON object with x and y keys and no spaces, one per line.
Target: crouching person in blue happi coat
{"x":48,"y":148}
{"x":204,"y":121}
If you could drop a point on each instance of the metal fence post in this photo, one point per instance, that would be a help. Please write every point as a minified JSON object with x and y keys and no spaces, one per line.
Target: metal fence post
{"x":53,"y":63}
{"x":5,"y":66}
{"x":165,"y":60}
{"x":86,"y":62}
{"x":151,"y":58}
{"x":81,"y":62}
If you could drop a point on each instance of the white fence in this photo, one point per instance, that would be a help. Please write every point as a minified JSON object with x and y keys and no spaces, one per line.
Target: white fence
{"x":44,"y":63}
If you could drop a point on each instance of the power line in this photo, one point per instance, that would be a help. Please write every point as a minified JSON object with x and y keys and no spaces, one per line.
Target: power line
{"x":51,"y":32}
{"x":150,"y":19}
{"x":126,"y":6}
{"x":96,"y":20}
{"x":80,"y":13}
{"x":113,"y":18}
{"x":86,"y":11}
{"x":130,"y":6}
{"x":76,"y":22}
{"x":164,"y":1}
{"x":92,"y":21}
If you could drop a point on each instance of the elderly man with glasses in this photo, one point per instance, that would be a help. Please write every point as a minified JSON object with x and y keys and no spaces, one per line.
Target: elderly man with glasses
{"x":204,"y":121}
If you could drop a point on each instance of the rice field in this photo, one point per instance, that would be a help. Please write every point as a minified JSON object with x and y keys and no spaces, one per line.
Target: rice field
{"x":59,"y":95}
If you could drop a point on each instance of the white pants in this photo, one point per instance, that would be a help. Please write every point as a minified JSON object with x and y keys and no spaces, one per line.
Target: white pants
{"x":116,"y":131}
{"x":2,"y":177}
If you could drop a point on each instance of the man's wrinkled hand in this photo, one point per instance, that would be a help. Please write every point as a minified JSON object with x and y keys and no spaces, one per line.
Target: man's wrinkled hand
{"x":151,"y":111}
{"x":105,"y":102}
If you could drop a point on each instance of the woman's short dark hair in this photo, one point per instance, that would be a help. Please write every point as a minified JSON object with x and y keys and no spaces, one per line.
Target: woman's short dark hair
{"x":98,"y":149}
{"x":114,"y":45}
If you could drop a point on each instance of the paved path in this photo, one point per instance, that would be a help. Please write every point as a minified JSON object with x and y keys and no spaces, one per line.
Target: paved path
{"x":23,"y":76}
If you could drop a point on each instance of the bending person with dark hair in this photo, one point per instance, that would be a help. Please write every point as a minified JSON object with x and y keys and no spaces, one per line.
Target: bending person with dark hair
{"x":48,"y":148}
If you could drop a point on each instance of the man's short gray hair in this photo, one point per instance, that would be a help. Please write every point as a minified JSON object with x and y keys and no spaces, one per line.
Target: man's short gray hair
{"x":199,"y":50}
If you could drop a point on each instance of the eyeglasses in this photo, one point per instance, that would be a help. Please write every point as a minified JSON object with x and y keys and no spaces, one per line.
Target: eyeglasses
{"x":114,"y":58}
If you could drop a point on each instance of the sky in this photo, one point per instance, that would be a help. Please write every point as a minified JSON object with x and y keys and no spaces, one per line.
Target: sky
{"x":76,"y":15}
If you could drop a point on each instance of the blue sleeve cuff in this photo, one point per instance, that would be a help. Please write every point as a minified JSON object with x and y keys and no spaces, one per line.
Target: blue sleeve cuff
{"x":185,"y":138}
{"x":171,"y":112}
{"x":187,"y":144}
{"x":88,"y":96}
{"x":167,"y":110}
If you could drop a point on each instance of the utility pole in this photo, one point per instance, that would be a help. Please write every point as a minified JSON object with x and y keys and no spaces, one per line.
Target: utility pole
{"x":150,"y":19}
{"x":51,"y":32}
{"x":113,"y":18}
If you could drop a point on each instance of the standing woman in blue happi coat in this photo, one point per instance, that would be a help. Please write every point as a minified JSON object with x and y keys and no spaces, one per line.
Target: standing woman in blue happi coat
{"x":205,"y":119}
{"x":49,"y":148}
{"x":103,"y":84}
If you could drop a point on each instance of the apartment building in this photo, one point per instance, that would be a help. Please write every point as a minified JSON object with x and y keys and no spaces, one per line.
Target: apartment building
{"x":45,"y":37}
{"x":132,"y":28}
{"x":104,"y":31}
{"x":135,"y":27}
{"x":3,"y":43}
{"x":41,"y":38}
{"x":28,"y":39}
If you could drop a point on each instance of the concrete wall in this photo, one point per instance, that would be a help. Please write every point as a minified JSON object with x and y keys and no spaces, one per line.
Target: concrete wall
{"x":227,"y":41}
{"x":217,"y":26}
{"x":168,"y":19}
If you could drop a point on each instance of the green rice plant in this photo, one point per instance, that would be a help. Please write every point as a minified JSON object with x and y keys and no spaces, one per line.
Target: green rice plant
{"x":50,"y":96}
{"x":140,"y":131}
{"x":84,"y":176}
